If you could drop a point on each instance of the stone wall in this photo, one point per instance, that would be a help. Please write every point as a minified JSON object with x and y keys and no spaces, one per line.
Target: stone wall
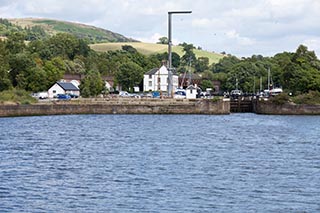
{"x":119,"y":106}
{"x":263,"y":107}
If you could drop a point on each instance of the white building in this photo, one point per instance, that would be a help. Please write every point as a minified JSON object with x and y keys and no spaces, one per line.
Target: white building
{"x":157,"y":80}
{"x":63,"y":88}
{"x":191,"y":92}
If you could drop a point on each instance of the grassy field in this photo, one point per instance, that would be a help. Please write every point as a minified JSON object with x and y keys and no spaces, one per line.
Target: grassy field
{"x":150,"y":48}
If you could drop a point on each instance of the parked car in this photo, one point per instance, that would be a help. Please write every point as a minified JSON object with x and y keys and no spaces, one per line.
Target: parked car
{"x":180,"y":94}
{"x":73,"y":95}
{"x":125,"y":94}
{"x":40,"y":95}
{"x":63,"y":97}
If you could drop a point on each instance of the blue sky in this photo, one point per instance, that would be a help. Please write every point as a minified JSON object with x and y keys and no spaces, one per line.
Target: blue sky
{"x":238,"y":27}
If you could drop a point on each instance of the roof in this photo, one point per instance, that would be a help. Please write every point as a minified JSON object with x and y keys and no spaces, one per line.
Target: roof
{"x":191,"y":87}
{"x":152,"y":71}
{"x":68,"y":86}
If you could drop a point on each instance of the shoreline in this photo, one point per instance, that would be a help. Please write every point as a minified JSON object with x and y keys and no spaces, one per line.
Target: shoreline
{"x":149,"y":106}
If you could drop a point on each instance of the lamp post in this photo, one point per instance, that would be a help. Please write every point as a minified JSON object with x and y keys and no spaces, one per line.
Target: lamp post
{"x":170,"y":83}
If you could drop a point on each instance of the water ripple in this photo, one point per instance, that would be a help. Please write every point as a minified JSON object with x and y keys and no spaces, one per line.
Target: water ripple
{"x":160,"y":163}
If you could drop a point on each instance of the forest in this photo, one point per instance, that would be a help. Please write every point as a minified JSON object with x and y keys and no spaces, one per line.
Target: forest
{"x":35,"y":64}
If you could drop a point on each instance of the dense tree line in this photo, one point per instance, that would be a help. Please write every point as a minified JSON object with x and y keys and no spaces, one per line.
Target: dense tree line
{"x":40,"y":63}
{"x":36,"y":65}
{"x":297,"y":72}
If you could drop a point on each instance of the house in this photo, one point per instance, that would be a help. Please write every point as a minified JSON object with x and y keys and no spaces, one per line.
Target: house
{"x":191,"y":92}
{"x":63,"y":88}
{"x":77,"y":78}
{"x":157,"y":80}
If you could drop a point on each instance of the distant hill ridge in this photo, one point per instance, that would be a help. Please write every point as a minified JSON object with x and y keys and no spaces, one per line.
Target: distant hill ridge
{"x":52,"y":27}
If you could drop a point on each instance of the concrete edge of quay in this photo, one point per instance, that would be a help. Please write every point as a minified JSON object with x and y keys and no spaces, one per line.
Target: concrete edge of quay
{"x":118,"y":106}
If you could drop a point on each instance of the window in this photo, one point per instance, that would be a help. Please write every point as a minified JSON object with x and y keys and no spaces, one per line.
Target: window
{"x":150,"y":83}
{"x":150,"y":76}
{"x":54,"y":91}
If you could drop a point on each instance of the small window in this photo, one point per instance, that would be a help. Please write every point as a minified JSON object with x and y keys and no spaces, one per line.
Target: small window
{"x":150,"y":76}
{"x":54,"y":91}
{"x":150,"y":83}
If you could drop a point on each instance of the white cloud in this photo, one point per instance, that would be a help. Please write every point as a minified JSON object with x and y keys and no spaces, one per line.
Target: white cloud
{"x":244,"y":41}
{"x":153,"y":39}
{"x":238,"y":27}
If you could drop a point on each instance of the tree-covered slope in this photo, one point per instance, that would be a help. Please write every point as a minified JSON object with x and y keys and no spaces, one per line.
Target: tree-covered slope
{"x":51,"y":27}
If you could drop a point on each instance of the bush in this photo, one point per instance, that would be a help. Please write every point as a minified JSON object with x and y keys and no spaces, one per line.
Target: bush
{"x":280,"y":99}
{"x":312,"y":97}
{"x":17,"y":96}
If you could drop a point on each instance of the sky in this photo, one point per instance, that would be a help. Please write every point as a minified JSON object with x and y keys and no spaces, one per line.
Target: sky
{"x":239,"y":27}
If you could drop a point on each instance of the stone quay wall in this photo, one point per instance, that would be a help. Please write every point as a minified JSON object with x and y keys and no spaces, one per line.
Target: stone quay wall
{"x":117,"y":106}
{"x":269,"y":108}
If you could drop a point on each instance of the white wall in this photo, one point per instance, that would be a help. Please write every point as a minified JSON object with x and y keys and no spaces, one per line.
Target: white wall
{"x":151,"y":83}
{"x":55,"y":90}
{"x":191,"y":93}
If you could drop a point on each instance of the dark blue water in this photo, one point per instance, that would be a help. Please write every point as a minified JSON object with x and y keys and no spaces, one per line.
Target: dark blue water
{"x":160,"y":163}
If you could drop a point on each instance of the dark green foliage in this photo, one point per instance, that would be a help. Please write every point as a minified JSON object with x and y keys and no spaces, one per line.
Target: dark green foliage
{"x":312,"y":97}
{"x":92,"y":85}
{"x":202,"y":64}
{"x":280,"y":99}
{"x":130,"y":74}
{"x":163,"y":40}
{"x":189,"y":57}
{"x":129,"y":49}
{"x":205,"y":84}
{"x":5,"y":82}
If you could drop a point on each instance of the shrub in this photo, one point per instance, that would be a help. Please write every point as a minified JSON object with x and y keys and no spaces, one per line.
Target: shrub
{"x":17,"y":96}
{"x":312,"y":97}
{"x":280,"y":99}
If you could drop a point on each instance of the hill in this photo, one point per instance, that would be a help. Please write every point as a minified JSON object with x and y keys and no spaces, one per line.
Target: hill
{"x":150,"y":48}
{"x":51,"y":27}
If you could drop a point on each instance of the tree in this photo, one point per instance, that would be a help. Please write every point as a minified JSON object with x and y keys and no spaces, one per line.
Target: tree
{"x":163,"y":40}
{"x":206,"y":84}
{"x":129,"y":75}
{"x":5,"y":82}
{"x":15,"y":42}
{"x":63,"y":44}
{"x":92,"y":84}
{"x":54,"y":71}
{"x":19,"y":63}
{"x":225,"y":64}
{"x":202,"y":64}
{"x":189,"y":56}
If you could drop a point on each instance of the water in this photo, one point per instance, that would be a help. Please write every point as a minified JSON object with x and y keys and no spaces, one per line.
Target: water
{"x":160,"y":163}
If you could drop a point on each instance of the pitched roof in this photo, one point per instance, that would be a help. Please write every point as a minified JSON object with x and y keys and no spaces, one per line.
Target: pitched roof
{"x":152,"y":71}
{"x":68,"y":86}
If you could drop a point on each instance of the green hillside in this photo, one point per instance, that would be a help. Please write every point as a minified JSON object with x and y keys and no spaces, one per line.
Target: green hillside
{"x":150,"y":48}
{"x":51,"y":27}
